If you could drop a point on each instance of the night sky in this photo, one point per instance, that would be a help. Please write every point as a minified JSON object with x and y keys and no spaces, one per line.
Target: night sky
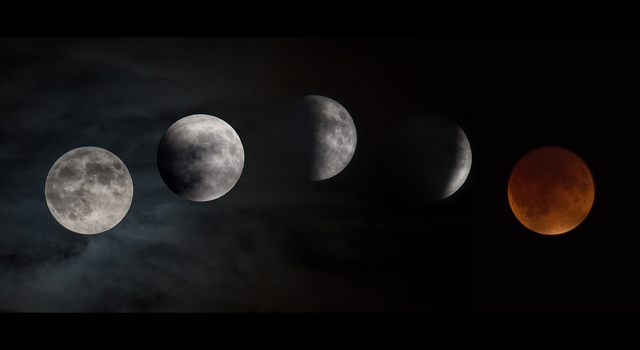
{"x":276,"y":243}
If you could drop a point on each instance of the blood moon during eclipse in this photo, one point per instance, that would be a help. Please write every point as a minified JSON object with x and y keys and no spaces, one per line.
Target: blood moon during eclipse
{"x":551,"y":190}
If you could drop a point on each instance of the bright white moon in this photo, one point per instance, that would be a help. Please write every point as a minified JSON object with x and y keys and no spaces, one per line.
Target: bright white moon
{"x":89,"y":190}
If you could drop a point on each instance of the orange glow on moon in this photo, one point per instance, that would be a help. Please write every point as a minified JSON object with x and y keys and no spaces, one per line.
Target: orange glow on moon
{"x":551,"y":190}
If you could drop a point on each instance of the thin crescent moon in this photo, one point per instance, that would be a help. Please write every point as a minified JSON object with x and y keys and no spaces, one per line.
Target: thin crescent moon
{"x":463,"y":164}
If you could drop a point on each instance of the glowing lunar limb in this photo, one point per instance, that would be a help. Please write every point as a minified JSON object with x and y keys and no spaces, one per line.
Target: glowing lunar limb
{"x":429,"y":158}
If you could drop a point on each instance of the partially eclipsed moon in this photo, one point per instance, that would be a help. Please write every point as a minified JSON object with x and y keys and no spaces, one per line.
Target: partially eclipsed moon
{"x":200,"y":157}
{"x":326,"y":136}
{"x":429,"y":158}
{"x":89,"y":190}
{"x":551,"y":190}
{"x":463,"y":164}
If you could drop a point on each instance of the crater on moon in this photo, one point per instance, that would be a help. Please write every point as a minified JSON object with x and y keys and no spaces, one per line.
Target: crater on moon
{"x":89,"y":190}
{"x":324,"y":135}
{"x":200,"y":157}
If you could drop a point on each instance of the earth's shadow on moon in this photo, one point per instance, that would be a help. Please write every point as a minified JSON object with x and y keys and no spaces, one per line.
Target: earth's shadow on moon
{"x":551,"y":190}
{"x":200,"y":157}
{"x":409,"y":172}
{"x":317,"y":143}
{"x":298,"y":141}
{"x":419,"y":159}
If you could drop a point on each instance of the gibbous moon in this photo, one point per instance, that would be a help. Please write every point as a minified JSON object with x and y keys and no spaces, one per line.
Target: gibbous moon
{"x":326,"y":136}
{"x":89,"y":190}
{"x":200,"y":157}
{"x":551,"y":190}
{"x":428,"y":157}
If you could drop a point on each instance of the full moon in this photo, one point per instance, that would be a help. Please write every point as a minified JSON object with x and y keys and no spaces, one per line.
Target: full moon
{"x":551,"y":190}
{"x":326,"y":136}
{"x":89,"y":190}
{"x":200,"y":157}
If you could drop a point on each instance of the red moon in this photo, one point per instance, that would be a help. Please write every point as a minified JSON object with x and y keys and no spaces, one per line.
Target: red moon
{"x":551,"y":190}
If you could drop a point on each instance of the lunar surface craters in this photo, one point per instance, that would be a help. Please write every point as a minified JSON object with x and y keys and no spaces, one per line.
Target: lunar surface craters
{"x":89,"y":190}
{"x":335,"y":137}
{"x":463,"y":164}
{"x":200,"y":157}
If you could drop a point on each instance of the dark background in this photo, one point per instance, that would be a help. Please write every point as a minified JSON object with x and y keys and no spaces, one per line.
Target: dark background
{"x":346,"y":244}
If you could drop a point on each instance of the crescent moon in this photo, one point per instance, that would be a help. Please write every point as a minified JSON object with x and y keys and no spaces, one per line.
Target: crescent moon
{"x":89,"y":190}
{"x":462,"y":166}
{"x":429,"y":158}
